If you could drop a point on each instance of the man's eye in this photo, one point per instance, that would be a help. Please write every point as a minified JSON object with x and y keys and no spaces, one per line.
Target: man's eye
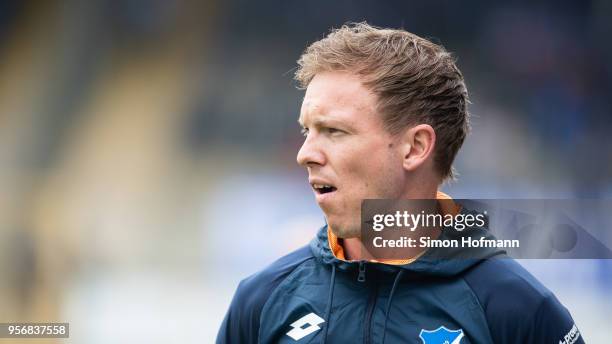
{"x":333,"y":130}
{"x":304,"y":132}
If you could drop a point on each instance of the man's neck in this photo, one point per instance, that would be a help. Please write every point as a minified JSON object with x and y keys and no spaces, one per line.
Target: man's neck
{"x":354,"y":248}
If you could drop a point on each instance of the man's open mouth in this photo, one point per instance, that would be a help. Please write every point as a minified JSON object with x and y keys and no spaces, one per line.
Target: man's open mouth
{"x":323,"y":188}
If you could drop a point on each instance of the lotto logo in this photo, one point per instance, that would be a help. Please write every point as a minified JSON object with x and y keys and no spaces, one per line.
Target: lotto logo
{"x":305,"y":326}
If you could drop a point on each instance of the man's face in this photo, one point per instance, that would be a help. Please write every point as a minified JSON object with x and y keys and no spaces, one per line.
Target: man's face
{"x":347,"y":152}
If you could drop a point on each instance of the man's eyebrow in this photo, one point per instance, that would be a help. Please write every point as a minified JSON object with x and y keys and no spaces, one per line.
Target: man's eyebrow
{"x":325,"y":122}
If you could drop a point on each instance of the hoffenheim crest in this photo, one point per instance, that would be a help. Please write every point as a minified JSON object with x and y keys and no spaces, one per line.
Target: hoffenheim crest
{"x":441,"y":335}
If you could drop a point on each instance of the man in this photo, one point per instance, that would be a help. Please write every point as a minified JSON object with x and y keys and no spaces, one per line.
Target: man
{"x":384,"y":115}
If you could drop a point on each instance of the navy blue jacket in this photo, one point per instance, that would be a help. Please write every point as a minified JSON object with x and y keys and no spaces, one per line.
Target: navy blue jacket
{"x":311,"y":296}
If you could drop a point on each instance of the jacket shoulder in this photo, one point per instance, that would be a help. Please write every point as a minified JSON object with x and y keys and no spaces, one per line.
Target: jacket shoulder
{"x":241,"y":323}
{"x":518,"y":308}
{"x":262,"y":283}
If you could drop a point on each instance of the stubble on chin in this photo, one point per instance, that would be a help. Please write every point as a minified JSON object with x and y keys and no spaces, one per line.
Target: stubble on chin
{"x":345,"y":231}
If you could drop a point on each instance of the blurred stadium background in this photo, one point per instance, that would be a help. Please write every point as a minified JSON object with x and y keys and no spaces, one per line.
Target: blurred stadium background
{"x":147,"y":147}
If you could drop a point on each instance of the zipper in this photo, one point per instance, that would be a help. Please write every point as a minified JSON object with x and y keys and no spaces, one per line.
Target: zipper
{"x":362,"y":267}
{"x":367,"y":329}
{"x":367,"y":326}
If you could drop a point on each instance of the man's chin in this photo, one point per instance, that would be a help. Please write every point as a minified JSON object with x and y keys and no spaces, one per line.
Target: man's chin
{"x":343,"y":232}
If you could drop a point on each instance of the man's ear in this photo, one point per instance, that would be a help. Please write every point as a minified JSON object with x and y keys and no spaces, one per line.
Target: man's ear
{"x":419,"y":142}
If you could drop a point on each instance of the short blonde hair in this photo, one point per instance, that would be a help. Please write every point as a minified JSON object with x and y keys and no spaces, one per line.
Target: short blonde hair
{"x":416,"y":81}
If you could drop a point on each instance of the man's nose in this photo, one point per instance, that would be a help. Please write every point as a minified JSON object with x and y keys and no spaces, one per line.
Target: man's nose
{"x":310,"y":153}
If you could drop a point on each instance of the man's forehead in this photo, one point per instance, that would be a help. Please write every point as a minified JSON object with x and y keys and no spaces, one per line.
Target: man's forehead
{"x":311,"y":110}
{"x":335,"y":97}
{"x":318,"y":114}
